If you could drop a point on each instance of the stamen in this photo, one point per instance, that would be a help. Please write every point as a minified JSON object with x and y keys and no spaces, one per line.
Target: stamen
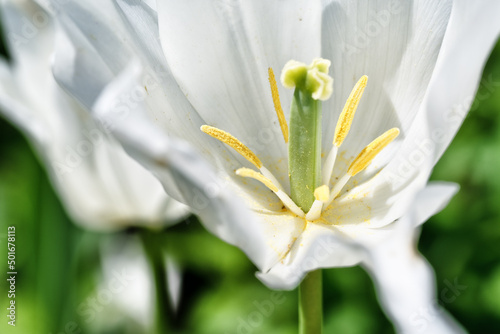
{"x":347,"y":115}
{"x":247,"y":172}
{"x":277,"y":104}
{"x":364,"y":159}
{"x":230,"y":140}
{"x":370,"y":152}
{"x":343,"y":127}
{"x":327,"y":169}
{"x":285,"y":199}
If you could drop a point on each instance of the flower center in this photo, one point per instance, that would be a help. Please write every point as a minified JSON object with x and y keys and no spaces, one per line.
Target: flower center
{"x":309,"y":180}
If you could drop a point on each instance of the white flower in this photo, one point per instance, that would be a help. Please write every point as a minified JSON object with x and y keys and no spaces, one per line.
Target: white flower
{"x":424,"y":60}
{"x":100,"y":185}
{"x":127,"y":276}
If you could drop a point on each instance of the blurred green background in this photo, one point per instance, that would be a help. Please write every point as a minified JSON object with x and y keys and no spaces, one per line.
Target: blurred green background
{"x":58,"y":263}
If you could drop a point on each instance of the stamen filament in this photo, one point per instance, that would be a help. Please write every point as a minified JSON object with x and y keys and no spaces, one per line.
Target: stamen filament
{"x":315,"y":211}
{"x":277,"y":104}
{"x":363,"y":160}
{"x":271,"y":177}
{"x":230,"y":140}
{"x":285,"y":199}
{"x":290,"y":205}
{"x":370,"y":152}
{"x":329,"y":164}
{"x":347,"y":115}
{"x":338,"y":187}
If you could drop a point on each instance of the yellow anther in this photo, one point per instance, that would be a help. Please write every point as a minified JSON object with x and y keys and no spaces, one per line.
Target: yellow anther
{"x":247,"y":172}
{"x":345,"y":118}
{"x":322,"y":193}
{"x":370,"y":152}
{"x":230,"y":140}
{"x":277,"y":104}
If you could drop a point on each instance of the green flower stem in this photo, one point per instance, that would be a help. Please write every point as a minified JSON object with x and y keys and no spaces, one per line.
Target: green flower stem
{"x":311,"y":304}
{"x":152,"y":246}
{"x":304,"y":162}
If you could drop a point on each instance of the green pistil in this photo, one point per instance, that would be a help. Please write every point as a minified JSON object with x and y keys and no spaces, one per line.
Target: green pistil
{"x":312,"y":85}
{"x":304,"y":162}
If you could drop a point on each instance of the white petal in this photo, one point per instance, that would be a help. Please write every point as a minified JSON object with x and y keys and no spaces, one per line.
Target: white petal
{"x":87,"y":42}
{"x":452,"y":87}
{"x":142,"y":26}
{"x":13,"y":106}
{"x":219,"y":52}
{"x":404,"y":280}
{"x":127,"y":275}
{"x":319,"y":246}
{"x":174,"y":281}
{"x":396,"y":44}
{"x":432,"y":199}
{"x":29,"y":43}
{"x":28,"y":32}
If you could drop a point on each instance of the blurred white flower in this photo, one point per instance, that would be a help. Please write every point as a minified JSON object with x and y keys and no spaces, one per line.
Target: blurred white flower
{"x":101,"y":186}
{"x":126,"y":284}
{"x":205,"y":62}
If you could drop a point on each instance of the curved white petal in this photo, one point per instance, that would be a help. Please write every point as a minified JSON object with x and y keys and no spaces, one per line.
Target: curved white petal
{"x":87,"y":42}
{"x":471,"y":33}
{"x":433,"y":199}
{"x":14,"y":108}
{"x":29,"y":42}
{"x":404,"y":280}
{"x":394,"y":43}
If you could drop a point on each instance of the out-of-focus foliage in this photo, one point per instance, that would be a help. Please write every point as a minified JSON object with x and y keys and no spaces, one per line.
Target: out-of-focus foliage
{"x":58,"y":264}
